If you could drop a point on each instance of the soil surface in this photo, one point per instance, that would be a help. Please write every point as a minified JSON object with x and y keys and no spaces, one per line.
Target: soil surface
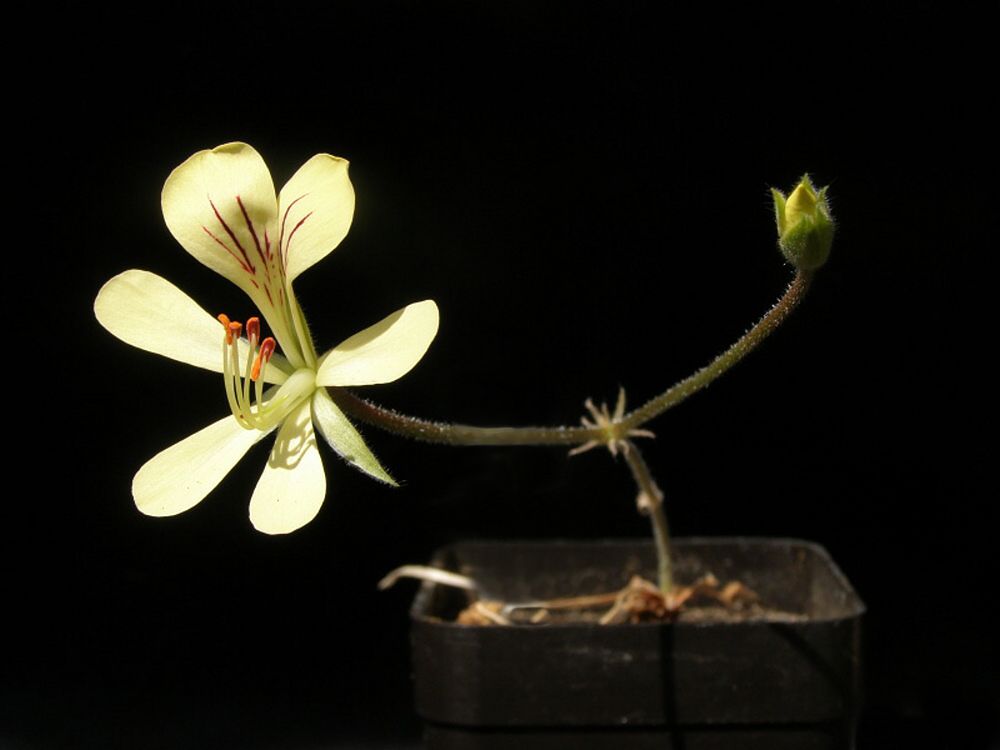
{"x":704,"y":601}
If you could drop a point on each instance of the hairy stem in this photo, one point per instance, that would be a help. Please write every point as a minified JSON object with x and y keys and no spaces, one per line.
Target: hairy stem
{"x":650,"y":502}
{"x":749,"y":341}
{"x":458,"y":434}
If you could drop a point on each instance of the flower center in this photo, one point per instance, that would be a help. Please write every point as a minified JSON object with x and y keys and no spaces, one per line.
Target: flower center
{"x":260,"y":410}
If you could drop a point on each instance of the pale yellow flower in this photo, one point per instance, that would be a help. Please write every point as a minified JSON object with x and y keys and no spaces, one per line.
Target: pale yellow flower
{"x":222,"y":208}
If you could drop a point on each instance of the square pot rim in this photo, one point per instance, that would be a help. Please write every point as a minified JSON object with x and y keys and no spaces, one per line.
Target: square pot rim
{"x":854,"y":606}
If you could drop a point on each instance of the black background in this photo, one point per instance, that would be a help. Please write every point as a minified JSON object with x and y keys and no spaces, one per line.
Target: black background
{"x":583,"y":191}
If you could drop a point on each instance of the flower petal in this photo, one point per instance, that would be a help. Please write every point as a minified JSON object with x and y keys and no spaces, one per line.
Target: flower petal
{"x":344,"y":438}
{"x":220,"y":206}
{"x":180,"y":477}
{"x":293,"y":485}
{"x":148,"y":312}
{"x":316,"y":208}
{"x":383,"y":352}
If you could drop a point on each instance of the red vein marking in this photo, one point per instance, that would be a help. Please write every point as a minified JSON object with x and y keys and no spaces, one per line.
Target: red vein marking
{"x":267,"y":244}
{"x":249,"y":266}
{"x":268,"y":293}
{"x":256,"y":286}
{"x":288,"y":244}
{"x":228,"y":250}
{"x":253,"y":233}
{"x":281,"y":236}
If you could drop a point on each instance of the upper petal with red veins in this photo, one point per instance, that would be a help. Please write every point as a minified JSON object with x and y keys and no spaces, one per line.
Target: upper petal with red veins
{"x":316,"y":208}
{"x":220,"y":205}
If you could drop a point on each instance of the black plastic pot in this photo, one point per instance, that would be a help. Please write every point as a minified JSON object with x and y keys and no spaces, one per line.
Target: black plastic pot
{"x":762,"y":683}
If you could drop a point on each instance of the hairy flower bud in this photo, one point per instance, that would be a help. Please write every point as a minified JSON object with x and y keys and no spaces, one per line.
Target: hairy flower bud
{"x":805,"y":227}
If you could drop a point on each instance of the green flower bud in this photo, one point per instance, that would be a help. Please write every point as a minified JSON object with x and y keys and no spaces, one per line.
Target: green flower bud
{"x":805,"y":227}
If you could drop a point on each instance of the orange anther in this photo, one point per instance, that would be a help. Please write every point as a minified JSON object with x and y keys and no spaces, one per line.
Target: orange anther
{"x":263,"y":356}
{"x":233,"y":332}
{"x":253,"y":328}
{"x":224,"y":319}
{"x":267,"y":348}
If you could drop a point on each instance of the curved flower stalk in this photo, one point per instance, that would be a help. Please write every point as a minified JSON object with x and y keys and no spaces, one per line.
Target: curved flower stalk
{"x":222,"y":208}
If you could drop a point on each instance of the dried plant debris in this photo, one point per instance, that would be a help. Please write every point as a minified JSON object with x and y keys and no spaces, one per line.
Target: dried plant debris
{"x":640,"y":600}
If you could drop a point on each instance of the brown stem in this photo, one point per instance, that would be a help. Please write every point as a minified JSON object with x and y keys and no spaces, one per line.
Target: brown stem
{"x":744,"y":345}
{"x":458,"y":434}
{"x":651,"y":503}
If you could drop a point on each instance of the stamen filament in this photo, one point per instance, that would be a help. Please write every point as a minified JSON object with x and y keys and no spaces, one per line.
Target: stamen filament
{"x":258,"y":389}
{"x":228,"y":373}
{"x":253,"y":334}
{"x":242,"y":412}
{"x":262,"y":415}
